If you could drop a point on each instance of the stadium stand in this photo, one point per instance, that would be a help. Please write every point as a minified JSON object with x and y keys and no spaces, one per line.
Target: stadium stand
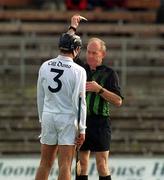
{"x":135,"y":43}
{"x":135,"y":4}
{"x":142,"y":4}
{"x":104,"y":16}
{"x":15,"y":3}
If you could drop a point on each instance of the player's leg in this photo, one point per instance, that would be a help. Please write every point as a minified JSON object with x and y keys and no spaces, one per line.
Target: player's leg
{"x":48,"y":146}
{"x":102,"y":165}
{"x":48,"y":154}
{"x":84,"y":163}
{"x":67,"y":131}
{"x":66,"y":153}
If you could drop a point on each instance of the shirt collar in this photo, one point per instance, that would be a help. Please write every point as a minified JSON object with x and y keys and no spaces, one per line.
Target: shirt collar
{"x":97,"y":68}
{"x":65,"y":58}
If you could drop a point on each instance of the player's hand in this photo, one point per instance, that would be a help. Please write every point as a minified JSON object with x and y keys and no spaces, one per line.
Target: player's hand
{"x":93,"y":86}
{"x":75,"y":20}
{"x":79,"y":141}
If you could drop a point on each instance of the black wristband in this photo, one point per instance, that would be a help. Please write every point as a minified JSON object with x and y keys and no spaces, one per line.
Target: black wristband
{"x":71,"y":27}
{"x":101,"y":91}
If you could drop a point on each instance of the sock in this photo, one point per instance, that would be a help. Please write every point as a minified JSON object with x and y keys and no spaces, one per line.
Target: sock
{"x":82,"y":177}
{"x":105,"y":177}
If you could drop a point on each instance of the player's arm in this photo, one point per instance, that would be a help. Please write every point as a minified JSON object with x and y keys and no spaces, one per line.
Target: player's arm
{"x":83,"y":109}
{"x":75,"y":20}
{"x":40,"y":96}
{"x":82,"y":124}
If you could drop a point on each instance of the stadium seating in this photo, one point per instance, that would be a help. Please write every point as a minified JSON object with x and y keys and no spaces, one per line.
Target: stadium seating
{"x":135,"y":50}
{"x":15,"y":3}
{"x":135,"y":130}
{"x":104,"y":16}
{"x":138,"y":131}
{"x":135,"y":4}
{"x":142,"y":4}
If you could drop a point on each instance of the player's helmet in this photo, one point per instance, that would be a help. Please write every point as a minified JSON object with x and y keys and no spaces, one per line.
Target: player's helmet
{"x":69,"y":42}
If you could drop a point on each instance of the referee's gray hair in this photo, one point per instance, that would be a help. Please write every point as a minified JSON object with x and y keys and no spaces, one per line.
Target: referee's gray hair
{"x":102,"y":43}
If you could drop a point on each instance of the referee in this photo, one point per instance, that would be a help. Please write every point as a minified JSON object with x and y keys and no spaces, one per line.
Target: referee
{"x":102,"y":90}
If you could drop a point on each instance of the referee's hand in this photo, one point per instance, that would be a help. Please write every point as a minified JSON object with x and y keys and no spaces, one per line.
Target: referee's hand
{"x":79,"y":141}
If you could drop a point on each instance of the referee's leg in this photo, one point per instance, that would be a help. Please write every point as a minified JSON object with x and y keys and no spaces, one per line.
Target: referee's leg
{"x":102,"y":165}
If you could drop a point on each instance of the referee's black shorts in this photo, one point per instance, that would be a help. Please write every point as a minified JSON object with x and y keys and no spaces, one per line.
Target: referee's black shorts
{"x":98,"y":134}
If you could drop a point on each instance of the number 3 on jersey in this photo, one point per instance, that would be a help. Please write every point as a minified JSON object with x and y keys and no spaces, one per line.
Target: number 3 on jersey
{"x":57,"y":80}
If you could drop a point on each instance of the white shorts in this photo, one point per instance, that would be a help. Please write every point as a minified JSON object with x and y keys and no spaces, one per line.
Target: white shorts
{"x":58,"y":129}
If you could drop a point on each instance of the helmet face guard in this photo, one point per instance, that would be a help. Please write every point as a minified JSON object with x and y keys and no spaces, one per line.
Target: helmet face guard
{"x":69,"y":42}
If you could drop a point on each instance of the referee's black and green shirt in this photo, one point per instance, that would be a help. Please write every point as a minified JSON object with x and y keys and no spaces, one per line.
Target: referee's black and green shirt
{"x":108,"y":79}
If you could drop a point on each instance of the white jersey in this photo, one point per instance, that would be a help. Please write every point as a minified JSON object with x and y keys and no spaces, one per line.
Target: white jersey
{"x":60,"y":82}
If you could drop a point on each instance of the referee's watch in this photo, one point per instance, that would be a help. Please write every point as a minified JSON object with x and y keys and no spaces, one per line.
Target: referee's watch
{"x":101,"y":91}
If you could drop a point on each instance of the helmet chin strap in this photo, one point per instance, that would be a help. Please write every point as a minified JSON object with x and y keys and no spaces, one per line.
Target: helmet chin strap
{"x":75,"y":57}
